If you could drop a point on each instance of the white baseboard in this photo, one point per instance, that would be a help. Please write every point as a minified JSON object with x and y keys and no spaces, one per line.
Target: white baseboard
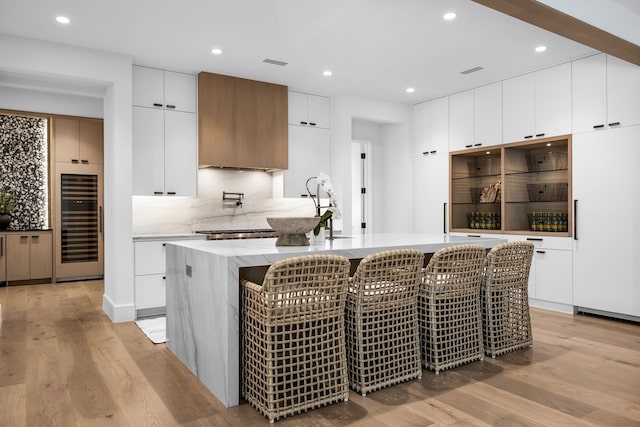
{"x":118,"y":312}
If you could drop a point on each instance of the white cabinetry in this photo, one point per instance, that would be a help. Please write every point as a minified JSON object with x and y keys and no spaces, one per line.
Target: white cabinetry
{"x":606,"y":243}
{"x":429,"y":195}
{"x":164,"y":133}
{"x":430,"y":165}
{"x":605,"y":93}
{"x":475,"y":117}
{"x":309,"y":110}
{"x":309,"y":141}
{"x":537,"y":105}
{"x":150,"y":269}
{"x":431,"y":127}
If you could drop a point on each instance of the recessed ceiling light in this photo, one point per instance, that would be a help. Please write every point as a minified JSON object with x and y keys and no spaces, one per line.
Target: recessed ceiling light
{"x":216,"y":51}
{"x":449,"y":16}
{"x":62,"y":19}
{"x":541,"y":48}
{"x":410,"y":90}
{"x":327,"y":73}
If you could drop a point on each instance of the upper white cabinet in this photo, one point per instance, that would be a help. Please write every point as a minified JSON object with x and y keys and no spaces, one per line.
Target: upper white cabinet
{"x":309,"y":110}
{"x":164,"y":133}
{"x":309,"y":154}
{"x":475,"y":117}
{"x":537,"y":105}
{"x":605,"y":93}
{"x":155,"y":88}
{"x":431,"y":127}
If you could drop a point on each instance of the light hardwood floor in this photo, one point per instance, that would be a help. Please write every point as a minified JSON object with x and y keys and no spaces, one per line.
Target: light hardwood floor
{"x":63,"y":363}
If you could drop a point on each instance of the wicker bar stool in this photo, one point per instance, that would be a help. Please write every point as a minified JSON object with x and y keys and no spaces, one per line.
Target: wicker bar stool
{"x":506,"y":323}
{"x":293,"y":343}
{"x":383,"y":345}
{"x":449,"y":307}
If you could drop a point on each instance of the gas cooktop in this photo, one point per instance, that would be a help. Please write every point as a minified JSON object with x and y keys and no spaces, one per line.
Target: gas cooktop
{"x":239,"y":234}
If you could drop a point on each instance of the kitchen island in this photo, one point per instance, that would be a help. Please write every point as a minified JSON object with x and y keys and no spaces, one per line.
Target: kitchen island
{"x":203,"y":293}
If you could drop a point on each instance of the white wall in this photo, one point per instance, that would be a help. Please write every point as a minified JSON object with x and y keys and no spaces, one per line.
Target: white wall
{"x":40,"y":101}
{"x":112,"y":73}
{"x":390,"y":158}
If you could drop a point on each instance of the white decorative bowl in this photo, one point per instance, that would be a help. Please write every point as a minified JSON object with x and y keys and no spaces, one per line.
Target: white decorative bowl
{"x":292,"y":229}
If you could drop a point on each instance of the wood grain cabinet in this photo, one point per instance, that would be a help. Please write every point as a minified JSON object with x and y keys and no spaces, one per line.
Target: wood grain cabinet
{"x":241,"y":123}
{"x":164,"y":133}
{"x":78,"y":140}
{"x":29,"y":255}
{"x":534,"y":182}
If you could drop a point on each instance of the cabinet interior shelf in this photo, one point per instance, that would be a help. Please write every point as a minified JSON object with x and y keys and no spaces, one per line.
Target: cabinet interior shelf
{"x":534,"y":177}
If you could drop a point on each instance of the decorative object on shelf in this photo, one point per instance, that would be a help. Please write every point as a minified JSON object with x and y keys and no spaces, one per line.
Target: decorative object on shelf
{"x":491,"y":193}
{"x":293,"y":229}
{"x":326,"y":219}
{"x":548,"y":221}
{"x":551,"y":192}
{"x":484,"y":220}
{"x":6,"y":207}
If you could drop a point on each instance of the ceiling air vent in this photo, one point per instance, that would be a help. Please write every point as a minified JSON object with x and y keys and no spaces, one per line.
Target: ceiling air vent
{"x":471,"y":70}
{"x":274,"y":62}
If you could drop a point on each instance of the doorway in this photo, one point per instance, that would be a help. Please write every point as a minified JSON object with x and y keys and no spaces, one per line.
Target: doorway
{"x":361,"y":212}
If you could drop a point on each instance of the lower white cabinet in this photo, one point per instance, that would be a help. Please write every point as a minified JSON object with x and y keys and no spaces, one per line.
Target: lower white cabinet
{"x":150,"y":269}
{"x":606,"y":244}
{"x":429,"y":195}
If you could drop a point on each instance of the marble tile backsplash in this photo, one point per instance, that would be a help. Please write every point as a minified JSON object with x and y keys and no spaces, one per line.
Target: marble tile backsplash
{"x":175,"y":215}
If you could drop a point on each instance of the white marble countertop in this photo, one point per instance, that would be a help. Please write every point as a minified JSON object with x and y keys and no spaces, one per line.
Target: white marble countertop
{"x":258,"y":252}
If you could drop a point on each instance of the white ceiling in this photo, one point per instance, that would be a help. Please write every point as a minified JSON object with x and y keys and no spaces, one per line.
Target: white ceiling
{"x":375,"y":48}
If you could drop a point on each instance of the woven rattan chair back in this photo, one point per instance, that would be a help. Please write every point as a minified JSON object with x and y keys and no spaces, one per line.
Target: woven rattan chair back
{"x":449,"y":308}
{"x":506,"y":323}
{"x":383,"y":345}
{"x":293,"y":340}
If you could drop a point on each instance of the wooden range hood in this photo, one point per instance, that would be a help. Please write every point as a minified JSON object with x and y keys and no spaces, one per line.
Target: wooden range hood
{"x":242,"y":123}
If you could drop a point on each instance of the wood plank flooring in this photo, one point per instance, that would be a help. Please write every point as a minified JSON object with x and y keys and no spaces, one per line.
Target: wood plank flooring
{"x":64,"y":363}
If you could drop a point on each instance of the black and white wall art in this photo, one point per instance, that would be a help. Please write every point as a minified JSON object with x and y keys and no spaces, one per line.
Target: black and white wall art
{"x":23,"y":169}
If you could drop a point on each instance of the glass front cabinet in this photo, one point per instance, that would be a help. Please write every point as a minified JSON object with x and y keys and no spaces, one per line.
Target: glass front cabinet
{"x":518,"y":188}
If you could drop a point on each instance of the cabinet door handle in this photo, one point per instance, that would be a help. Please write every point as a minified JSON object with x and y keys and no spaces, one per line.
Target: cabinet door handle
{"x":164,"y":278}
{"x":100,"y":218}
{"x":614,"y":124}
{"x":311,"y":124}
{"x":155,"y":104}
{"x":598,"y":126}
{"x":304,"y":123}
{"x":534,"y":239}
{"x":477,"y":145}
{"x":158,"y":193}
{"x":575,"y":219}
{"x":541,"y":252}
{"x":538,"y":135}
{"x":528,"y":136}
{"x":425,"y":153}
{"x":35,"y":236}
{"x":171,"y":107}
{"x":444,"y":217}
{"x":171,"y":193}
{"x":24,"y":237}
{"x":468,"y":146}
{"x":473,"y":235}
{"x":164,"y":244}
{"x":432,"y":152}
{"x":85,"y":162}
{"x":1,"y":246}
{"x":74,"y":160}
